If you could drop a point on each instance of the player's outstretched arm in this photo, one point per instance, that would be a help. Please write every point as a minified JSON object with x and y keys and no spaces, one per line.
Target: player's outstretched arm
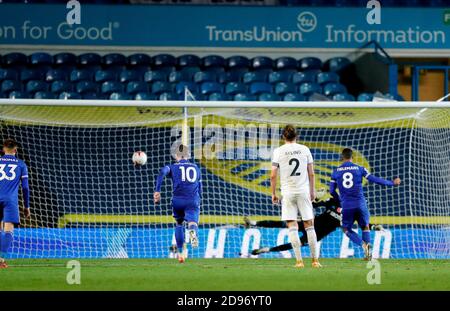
{"x":384,"y":182}
{"x":273,"y":184}
{"x":159,"y":180}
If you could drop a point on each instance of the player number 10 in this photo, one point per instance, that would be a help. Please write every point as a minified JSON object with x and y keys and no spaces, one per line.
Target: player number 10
{"x":188,"y":173}
{"x":347,"y":181}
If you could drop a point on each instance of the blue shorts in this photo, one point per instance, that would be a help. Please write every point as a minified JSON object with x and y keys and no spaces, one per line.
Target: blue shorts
{"x":9,"y":211}
{"x":186,"y":210}
{"x":358,"y":213}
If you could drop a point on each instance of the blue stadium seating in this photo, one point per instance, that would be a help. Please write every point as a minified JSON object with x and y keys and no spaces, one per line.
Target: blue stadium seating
{"x":261,"y":62}
{"x":105,"y":75}
{"x":309,"y":88}
{"x":161,"y":87}
{"x":34,"y":86}
{"x":230,"y":76}
{"x":190,"y":71}
{"x":337,"y":63}
{"x":207,"y":88}
{"x":234,"y":62}
{"x":233,"y":88}
{"x":69,"y":95}
{"x":10,"y":85}
{"x":244,"y":97}
{"x":343,"y":97}
{"x":31,"y":74}
{"x":269,"y":97}
{"x":15,"y":59}
{"x":44,"y":95}
{"x":333,"y":88}
{"x":295,"y":97}
{"x":164,"y":61}
{"x":129,"y":75}
{"x":144,"y":96}
{"x":18,"y":94}
{"x":155,"y":75}
{"x":188,"y":60}
{"x":8,"y":74}
{"x":213,"y":61}
{"x":168,"y":96}
{"x":286,"y":63}
{"x":139,"y":59}
{"x":89,"y":59}
{"x":365,"y":97}
{"x":327,"y":77}
{"x":302,"y":77}
{"x":257,"y":88}
{"x":280,"y":76}
{"x":120,"y":96}
{"x":81,"y":75}
{"x":255,"y":76}
{"x":134,"y":87}
{"x":205,"y":76}
{"x":310,"y":63}
{"x":219,"y":97}
{"x":40,"y":59}
{"x":65,"y":59}
{"x":191,"y":86}
{"x":114,"y":60}
{"x":179,"y":76}
{"x":86,"y":87}
{"x":61,"y":86}
{"x":283,"y":88}
{"x":56,"y":74}
{"x":109,"y":87}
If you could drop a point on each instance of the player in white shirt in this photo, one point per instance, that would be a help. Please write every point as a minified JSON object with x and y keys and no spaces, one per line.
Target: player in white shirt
{"x":294,"y":162}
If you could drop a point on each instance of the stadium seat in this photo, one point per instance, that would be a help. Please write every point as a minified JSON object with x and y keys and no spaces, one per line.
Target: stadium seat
{"x":309,"y":63}
{"x":244,"y":97}
{"x":280,"y":76}
{"x":8,"y":74}
{"x":213,"y":61}
{"x":105,"y":75}
{"x":86,"y":87}
{"x":31,"y":74}
{"x":178,"y":76}
{"x":44,"y":95}
{"x":230,"y":76}
{"x":283,"y":88}
{"x":15,"y":59}
{"x":286,"y":63}
{"x":309,"y":88}
{"x":302,"y":77}
{"x":261,"y":62}
{"x":3,"y":95}
{"x":155,"y":75}
{"x":207,"y":88}
{"x":265,"y":97}
{"x":56,"y":74}
{"x":81,"y":75}
{"x":134,"y":87}
{"x":89,"y":59}
{"x":34,"y":86}
{"x":327,"y":77}
{"x":161,"y":87}
{"x":164,"y":61}
{"x":336,"y":63}
{"x":365,"y":97}
{"x":219,"y":97}
{"x":120,"y":96}
{"x":168,"y":96}
{"x":188,"y":60}
{"x":114,"y":60}
{"x":254,"y":76}
{"x":61,"y":86}
{"x":65,"y":59}
{"x":129,"y":75}
{"x":234,"y":62}
{"x":190,"y":71}
{"x":41,"y":59}
{"x":257,"y":88}
{"x":333,"y":88}
{"x":109,"y":87}
{"x":10,"y":85}
{"x":69,"y":95}
{"x":139,"y":60}
{"x":233,"y":88}
{"x":294,"y":97}
{"x":204,"y":76}
{"x":18,"y":94}
{"x":144,"y":96}
{"x":93,"y":95}
{"x":180,"y":87}
{"x":343,"y":97}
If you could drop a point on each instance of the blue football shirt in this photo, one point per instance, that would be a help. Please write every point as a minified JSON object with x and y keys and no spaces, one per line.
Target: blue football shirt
{"x":12,"y":172}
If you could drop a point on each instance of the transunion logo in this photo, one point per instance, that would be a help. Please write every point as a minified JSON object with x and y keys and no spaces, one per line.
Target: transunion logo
{"x":306,"y":22}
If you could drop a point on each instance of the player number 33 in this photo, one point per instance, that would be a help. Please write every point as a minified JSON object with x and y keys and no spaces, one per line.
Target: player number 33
{"x":11,"y":175}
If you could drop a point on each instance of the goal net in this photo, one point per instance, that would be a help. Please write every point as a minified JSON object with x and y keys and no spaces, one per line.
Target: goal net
{"x":89,"y":201}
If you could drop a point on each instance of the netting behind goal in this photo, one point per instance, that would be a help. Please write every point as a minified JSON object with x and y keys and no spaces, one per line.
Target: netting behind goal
{"x":88,"y":200}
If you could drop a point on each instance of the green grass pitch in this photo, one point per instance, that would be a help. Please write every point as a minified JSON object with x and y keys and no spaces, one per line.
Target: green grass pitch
{"x":225,"y":274}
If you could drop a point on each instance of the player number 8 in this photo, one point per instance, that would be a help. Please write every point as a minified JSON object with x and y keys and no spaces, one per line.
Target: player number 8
{"x":347,"y":181}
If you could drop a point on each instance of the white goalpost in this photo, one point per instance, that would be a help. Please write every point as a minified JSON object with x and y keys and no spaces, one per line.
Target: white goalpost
{"x":89,"y":201}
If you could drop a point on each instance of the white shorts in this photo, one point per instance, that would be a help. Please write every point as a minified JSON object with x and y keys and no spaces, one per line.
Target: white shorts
{"x":293,"y":204}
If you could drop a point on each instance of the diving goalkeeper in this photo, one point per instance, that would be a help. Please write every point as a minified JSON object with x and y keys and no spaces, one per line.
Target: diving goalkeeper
{"x":325,"y":223}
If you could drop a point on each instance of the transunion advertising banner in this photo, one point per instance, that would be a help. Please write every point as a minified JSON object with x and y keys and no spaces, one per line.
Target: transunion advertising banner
{"x":224,"y":27}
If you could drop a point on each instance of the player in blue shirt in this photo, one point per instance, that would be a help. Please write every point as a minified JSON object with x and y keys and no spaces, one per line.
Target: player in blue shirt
{"x":13,"y":172}
{"x":348,"y":179}
{"x":187,"y":188}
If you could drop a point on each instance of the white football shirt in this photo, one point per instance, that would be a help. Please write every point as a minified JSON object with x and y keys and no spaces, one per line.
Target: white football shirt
{"x":292,"y":160}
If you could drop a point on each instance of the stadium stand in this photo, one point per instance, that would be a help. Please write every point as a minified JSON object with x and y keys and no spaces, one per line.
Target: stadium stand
{"x":163,"y":76}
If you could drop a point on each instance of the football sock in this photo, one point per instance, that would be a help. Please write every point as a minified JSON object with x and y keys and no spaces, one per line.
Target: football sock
{"x":366,"y":236}
{"x":179,"y":237}
{"x":295,"y":242}
{"x":193,"y":227}
{"x":354,"y":237}
{"x":312,"y":241}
